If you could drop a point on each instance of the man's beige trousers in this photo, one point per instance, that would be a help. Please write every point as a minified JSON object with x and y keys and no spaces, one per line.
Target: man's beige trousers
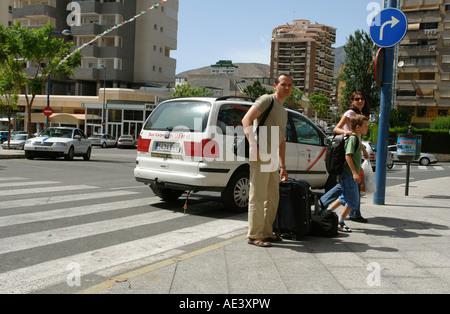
{"x":263,"y":202}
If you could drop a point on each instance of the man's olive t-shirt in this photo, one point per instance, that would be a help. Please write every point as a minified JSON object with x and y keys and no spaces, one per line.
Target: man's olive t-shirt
{"x":277,"y":118}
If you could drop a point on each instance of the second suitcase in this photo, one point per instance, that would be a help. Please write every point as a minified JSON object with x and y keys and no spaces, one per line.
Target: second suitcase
{"x":293,"y":220}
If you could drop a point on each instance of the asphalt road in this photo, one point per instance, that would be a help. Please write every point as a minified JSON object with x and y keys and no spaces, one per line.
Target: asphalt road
{"x":63,"y":221}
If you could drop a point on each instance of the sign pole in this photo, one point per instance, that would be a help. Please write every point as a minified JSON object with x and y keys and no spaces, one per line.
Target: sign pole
{"x":383,"y":126}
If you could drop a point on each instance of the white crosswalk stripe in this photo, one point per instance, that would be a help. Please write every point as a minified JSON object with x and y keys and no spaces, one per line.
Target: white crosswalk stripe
{"x":60,"y":199}
{"x":421,"y":168}
{"x":46,"y":190}
{"x":42,"y":228}
{"x":15,"y":184}
{"x":77,"y":211}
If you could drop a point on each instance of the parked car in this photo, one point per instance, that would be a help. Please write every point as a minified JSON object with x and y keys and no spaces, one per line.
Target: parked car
{"x":330,"y":129}
{"x":3,"y":136}
{"x":425,"y":158}
{"x":17,"y":142}
{"x":371,"y":149}
{"x":103,"y":140}
{"x":186,"y":145}
{"x":59,"y":142}
{"x":126,"y":141}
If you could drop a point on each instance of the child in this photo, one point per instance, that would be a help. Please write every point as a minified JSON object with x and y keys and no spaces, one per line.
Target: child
{"x":350,"y":179}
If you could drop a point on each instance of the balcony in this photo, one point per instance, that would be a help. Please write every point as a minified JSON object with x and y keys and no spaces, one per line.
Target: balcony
{"x":94,"y":74}
{"x":31,"y":11}
{"x":103,"y":52}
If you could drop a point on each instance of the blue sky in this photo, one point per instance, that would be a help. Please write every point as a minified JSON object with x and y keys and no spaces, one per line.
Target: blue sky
{"x":213,"y":30}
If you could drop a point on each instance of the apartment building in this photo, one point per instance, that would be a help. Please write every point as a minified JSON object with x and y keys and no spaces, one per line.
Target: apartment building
{"x":6,"y":8}
{"x":135,"y":55}
{"x":423,"y":80}
{"x":304,"y":50}
{"x":136,"y":60}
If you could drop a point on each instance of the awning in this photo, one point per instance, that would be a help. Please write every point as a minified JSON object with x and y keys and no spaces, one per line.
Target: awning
{"x":64,"y":118}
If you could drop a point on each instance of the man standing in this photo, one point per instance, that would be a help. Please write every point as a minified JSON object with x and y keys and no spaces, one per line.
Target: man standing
{"x":264,"y":183}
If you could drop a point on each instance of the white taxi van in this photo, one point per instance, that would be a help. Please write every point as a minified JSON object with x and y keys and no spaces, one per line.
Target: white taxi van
{"x":187,"y":145}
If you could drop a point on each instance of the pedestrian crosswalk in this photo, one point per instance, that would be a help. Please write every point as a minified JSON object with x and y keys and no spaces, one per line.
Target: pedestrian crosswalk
{"x":46,"y":226}
{"x":422,"y":168}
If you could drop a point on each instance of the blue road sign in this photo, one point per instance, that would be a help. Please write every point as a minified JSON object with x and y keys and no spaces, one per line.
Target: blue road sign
{"x":389,"y":27}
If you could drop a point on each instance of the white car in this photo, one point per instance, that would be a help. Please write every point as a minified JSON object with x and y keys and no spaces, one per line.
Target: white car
{"x":425,"y":158}
{"x":126,"y":141}
{"x":371,"y":149}
{"x":17,"y":142}
{"x":103,"y":140}
{"x":59,"y":142}
{"x":185,"y":145}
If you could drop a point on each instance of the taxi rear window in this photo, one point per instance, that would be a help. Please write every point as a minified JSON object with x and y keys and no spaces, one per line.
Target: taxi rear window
{"x":179,"y":115}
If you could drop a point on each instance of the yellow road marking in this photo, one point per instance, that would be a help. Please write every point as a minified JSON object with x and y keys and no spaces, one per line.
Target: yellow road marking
{"x":145,"y":270}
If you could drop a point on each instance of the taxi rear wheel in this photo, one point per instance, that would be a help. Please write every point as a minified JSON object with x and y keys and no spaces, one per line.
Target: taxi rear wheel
{"x":236,"y":195}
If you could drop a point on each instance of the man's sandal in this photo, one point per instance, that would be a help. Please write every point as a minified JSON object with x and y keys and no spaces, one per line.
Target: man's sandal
{"x":260,"y":242}
{"x":274,"y":238}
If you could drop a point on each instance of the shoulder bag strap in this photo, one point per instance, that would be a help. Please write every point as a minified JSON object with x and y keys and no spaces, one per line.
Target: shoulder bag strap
{"x":266,"y":115}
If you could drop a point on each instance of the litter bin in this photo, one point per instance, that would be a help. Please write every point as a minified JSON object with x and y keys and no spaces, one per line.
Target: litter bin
{"x":409,"y":146}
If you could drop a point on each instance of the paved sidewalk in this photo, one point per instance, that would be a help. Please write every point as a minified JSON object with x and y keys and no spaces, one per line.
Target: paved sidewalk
{"x":403,"y":249}
{"x":11,"y":154}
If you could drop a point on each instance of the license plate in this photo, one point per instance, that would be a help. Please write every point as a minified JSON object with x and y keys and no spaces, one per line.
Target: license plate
{"x":168,"y":147}
{"x":41,"y":148}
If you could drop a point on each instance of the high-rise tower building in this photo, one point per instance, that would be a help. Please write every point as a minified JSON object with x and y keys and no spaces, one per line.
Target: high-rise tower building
{"x":304,"y":50}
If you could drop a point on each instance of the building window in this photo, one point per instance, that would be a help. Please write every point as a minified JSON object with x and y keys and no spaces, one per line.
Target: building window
{"x":406,"y":93}
{"x":431,"y":25}
{"x":133,"y":115}
{"x":445,"y":59}
{"x":442,"y":113}
{"x":427,"y":76}
{"x":421,"y":112}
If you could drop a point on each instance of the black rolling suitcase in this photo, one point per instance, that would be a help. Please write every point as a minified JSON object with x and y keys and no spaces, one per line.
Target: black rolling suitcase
{"x":293,"y":220}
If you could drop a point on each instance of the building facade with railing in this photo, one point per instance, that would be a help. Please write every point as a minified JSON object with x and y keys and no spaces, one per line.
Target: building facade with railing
{"x":423,"y":68}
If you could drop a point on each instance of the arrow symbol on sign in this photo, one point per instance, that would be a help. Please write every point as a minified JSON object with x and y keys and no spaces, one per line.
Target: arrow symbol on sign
{"x":393,"y":22}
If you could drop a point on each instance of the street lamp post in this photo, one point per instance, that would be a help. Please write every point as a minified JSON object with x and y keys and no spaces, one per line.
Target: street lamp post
{"x":101,"y":66}
{"x":65,"y":32}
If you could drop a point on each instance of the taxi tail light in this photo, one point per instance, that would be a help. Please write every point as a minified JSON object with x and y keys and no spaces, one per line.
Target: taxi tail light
{"x":143,"y":145}
{"x":206,"y":148}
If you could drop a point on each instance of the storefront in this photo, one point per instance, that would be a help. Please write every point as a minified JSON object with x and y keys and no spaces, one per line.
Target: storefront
{"x":125,"y":111}
{"x":120,"y":118}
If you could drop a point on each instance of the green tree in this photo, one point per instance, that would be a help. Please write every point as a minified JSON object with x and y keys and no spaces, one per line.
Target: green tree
{"x":257,"y":90}
{"x":358,"y":72}
{"x":185,"y":90}
{"x":8,"y":97}
{"x":294,"y":100}
{"x":21,"y":46}
{"x":319,"y":103}
{"x":400,"y":117}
